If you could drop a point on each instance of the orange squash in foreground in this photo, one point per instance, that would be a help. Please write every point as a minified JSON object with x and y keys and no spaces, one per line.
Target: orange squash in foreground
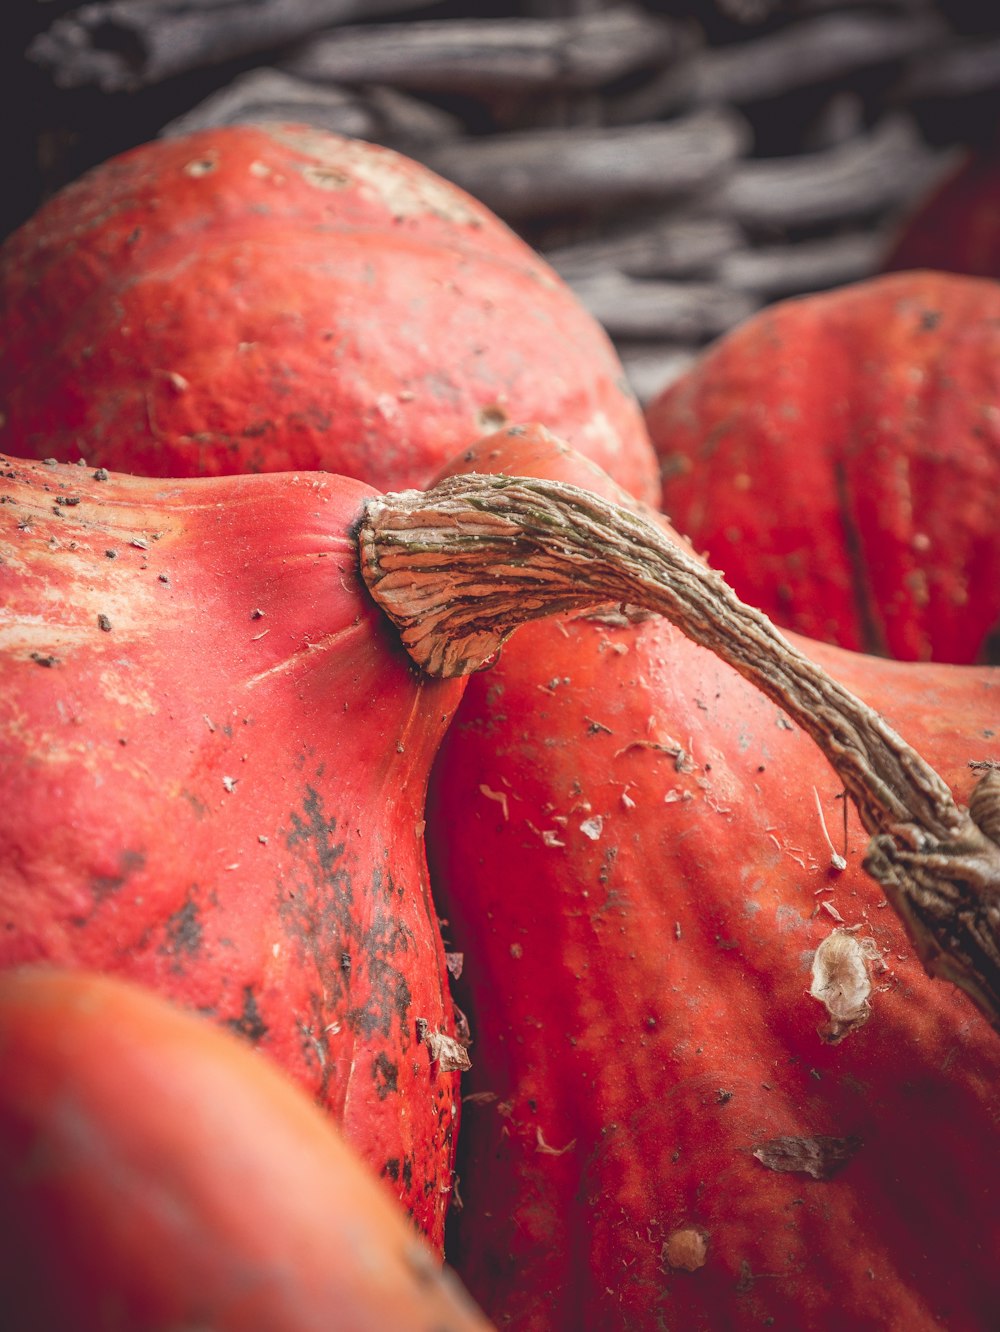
{"x":154,"y":1173}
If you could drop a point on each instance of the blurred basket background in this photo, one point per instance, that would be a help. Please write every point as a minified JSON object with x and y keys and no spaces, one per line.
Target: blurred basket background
{"x":680,"y":162}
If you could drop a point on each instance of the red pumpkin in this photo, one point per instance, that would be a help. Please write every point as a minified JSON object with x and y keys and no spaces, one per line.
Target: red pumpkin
{"x":268,"y":298}
{"x":156,"y":1173}
{"x":956,"y":228}
{"x":637,"y":854}
{"x":213,"y":763}
{"x":838,"y":458}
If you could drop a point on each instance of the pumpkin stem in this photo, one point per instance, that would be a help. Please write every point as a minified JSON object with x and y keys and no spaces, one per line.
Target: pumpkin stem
{"x":459,"y":567}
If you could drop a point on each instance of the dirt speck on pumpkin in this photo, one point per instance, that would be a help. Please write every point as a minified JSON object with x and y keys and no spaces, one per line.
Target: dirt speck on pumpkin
{"x":492,"y":416}
{"x":685,"y":1249}
{"x":201,"y":166}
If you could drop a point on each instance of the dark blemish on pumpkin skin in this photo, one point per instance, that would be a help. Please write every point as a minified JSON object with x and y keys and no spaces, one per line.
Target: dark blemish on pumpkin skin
{"x":385,"y":1076}
{"x":316,"y":832}
{"x":197,"y":804}
{"x":249,"y":1023}
{"x":607,"y":865}
{"x":317,"y":913}
{"x":129,"y":863}
{"x":389,"y":994}
{"x":391,"y":1168}
{"x":183,"y":929}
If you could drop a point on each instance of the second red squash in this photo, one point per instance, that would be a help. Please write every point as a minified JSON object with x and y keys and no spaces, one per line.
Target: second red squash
{"x":838,"y":458}
{"x":712,"y":1086}
{"x":274,"y":297}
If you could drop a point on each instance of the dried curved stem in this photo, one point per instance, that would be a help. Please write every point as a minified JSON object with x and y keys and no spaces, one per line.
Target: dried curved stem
{"x":459,"y":567}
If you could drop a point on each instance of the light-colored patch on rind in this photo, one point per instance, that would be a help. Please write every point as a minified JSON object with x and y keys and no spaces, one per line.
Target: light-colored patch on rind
{"x":685,"y":1249}
{"x":405,"y":189}
{"x":841,"y":981}
{"x":121,"y":687}
{"x":601,"y":436}
{"x":79,"y":589}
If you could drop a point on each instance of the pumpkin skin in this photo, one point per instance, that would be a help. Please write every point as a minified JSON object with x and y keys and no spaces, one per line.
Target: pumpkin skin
{"x":213,"y":764}
{"x":956,"y":228}
{"x":625,"y":839}
{"x":269,"y":298}
{"x":157,"y":1173}
{"x":878,"y":401}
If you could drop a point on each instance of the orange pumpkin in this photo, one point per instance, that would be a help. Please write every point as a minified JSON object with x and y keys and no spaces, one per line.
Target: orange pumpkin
{"x":156,"y":1173}
{"x":275,"y":297}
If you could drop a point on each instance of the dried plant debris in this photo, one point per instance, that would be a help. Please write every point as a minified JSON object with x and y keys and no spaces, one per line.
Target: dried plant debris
{"x":444,"y":1050}
{"x":821,"y":1156}
{"x":842,"y":981}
